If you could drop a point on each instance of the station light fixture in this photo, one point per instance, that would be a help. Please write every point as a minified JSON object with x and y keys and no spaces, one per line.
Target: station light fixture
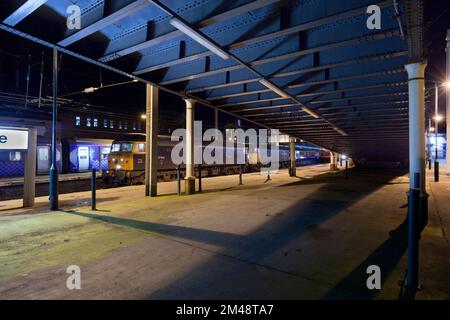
{"x":199,"y":38}
{"x":311,"y":113}
{"x":341,"y":132}
{"x":438,"y":118}
{"x":93,"y":89}
{"x":90,"y":90}
{"x":143,"y":116}
{"x":274,"y":88}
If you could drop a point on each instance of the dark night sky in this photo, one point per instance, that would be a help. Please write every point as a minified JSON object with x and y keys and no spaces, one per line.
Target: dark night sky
{"x":76,"y":75}
{"x":437,"y":22}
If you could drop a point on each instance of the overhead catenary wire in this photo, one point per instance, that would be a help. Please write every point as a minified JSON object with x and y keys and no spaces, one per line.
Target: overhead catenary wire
{"x":93,"y":89}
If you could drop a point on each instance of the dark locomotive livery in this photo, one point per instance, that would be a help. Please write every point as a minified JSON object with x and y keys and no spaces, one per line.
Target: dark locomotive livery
{"x":126,"y":162}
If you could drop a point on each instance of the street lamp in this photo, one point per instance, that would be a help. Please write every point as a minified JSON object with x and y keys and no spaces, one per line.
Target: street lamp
{"x":447,"y":84}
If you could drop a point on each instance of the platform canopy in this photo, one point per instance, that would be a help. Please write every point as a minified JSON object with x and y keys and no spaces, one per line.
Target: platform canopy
{"x":311,"y":68}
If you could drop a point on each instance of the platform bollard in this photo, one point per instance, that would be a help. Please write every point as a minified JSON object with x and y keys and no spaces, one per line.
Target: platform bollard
{"x":93,"y":190}
{"x":346,"y":169}
{"x":436,"y":171}
{"x":240,"y":174}
{"x":178,"y":180}
{"x":199,"y":178}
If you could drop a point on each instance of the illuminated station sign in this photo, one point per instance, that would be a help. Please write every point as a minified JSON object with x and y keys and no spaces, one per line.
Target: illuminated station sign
{"x":13,"y":139}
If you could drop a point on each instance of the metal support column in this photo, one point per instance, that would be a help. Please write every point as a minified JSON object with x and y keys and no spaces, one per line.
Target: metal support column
{"x":416,"y":76}
{"x":100,"y":161}
{"x":151,"y":142}
{"x":293,"y":165}
{"x":333,"y":161}
{"x":412,"y":276}
{"x":29,"y":184}
{"x":417,"y":197}
{"x":54,"y":167}
{"x":189,"y":148}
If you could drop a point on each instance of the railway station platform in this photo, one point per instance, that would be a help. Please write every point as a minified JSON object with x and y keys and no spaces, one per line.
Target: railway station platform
{"x":12,"y":187}
{"x":306,"y":237}
{"x":18,"y":181}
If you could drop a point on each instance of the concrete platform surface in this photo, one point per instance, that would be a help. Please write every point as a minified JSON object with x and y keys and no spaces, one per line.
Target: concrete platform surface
{"x":306,"y":237}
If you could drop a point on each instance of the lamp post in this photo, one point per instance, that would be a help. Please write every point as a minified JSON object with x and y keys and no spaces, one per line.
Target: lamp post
{"x":437,"y":119}
{"x":436,"y":125}
{"x":429,"y":131}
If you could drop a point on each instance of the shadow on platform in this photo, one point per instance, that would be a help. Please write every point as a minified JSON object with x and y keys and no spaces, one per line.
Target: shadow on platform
{"x":262,"y":246}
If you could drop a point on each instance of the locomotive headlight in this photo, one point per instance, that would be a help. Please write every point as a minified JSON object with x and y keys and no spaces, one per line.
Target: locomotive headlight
{"x":121,"y":159}
{"x":118,"y":167}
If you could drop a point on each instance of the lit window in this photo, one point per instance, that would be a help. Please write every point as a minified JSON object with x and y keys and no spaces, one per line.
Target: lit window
{"x":115,"y":147}
{"x":105,"y":123}
{"x":95,"y":122}
{"x":78,"y":121}
{"x":15,"y":156}
{"x":111,"y":124}
{"x":141,"y":147}
{"x":88,"y":122}
{"x":123,"y":147}
{"x":43,"y":154}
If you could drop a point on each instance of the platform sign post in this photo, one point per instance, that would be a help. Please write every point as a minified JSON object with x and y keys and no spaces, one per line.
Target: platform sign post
{"x":23,"y":140}
{"x":29,"y":183}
